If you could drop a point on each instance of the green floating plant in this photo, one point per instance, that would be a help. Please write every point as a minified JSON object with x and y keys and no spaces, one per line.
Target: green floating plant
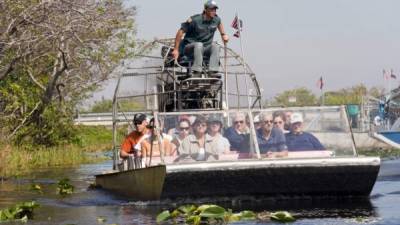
{"x":214,"y":214}
{"x":204,"y":214}
{"x":282,"y":216}
{"x":21,"y":212}
{"x":64,"y":187}
{"x":37,"y":188}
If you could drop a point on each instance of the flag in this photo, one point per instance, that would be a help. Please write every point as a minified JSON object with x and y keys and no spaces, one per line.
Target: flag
{"x":392,"y":75}
{"x":385,"y":75}
{"x":237,"y":24}
{"x":320,"y":83}
{"x":237,"y":34}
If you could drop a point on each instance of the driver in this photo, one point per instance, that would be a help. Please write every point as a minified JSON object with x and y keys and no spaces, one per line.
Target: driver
{"x":199,"y":33}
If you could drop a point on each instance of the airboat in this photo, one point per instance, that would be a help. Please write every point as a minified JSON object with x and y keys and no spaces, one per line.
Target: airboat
{"x":157,"y":85}
{"x":383,"y":117}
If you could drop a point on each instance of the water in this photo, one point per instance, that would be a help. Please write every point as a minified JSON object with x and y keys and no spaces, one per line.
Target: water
{"x":86,"y":206}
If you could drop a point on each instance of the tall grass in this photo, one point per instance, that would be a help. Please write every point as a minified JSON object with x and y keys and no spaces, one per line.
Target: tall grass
{"x":19,"y":160}
{"x":381,"y":152}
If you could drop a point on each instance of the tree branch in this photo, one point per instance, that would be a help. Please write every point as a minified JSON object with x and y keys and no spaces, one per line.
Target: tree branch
{"x":34,"y":80}
{"x":23,"y":121}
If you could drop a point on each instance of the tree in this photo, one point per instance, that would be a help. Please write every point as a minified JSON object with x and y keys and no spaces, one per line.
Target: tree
{"x":352,"y":95}
{"x":53,"y":53}
{"x":296,"y":97}
{"x":106,"y":105}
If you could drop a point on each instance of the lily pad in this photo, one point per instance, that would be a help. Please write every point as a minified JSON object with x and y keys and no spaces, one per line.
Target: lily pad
{"x":213,"y":212}
{"x":187,"y":209}
{"x":282,"y":216}
{"x":64,"y":187}
{"x":201,"y":208}
{"x":20,"y":211}
{"x":247,"y":215}
{"x":101,"y":219}
{"x":163,"y":216}
{"x":194,"y":220}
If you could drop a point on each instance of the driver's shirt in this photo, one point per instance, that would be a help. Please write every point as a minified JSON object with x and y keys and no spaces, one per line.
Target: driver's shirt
{"x":198,"y":29}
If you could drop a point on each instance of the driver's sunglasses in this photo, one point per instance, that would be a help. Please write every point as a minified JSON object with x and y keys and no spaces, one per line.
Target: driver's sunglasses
{"x":184,"y":128}
{"x":239,"y":121}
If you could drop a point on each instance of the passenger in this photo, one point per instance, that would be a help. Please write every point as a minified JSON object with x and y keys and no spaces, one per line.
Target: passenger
{"x":175,"y":130}
{"x":279,"y":121}
{"x":271,"y":140}
{"x":257,"y":122}
{"x":288,"y":115}
{"x":161,"y":142}
{"x":238,"y":135}
{"x":198,"y":40}
{"x":299,"y":140}
{"x":214,"y":130}
{"x":199,"y":145}
{"x":184,"y":130}
{"x":131,"y":146}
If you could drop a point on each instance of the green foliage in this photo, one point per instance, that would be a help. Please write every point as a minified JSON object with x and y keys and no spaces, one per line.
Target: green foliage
{"x":204,"y":214}
{"x":213,"y":211}
{"x":64,"y":187}
{"x":49,"y":76}
{"x":37,"y":188}
{"x":93,"y":137}
{"x":129,"y":105}
{"x":163,"y":216}
{"x":247,"y":215}
{"x":24,"y":158}
{"x":352,"y":95}
{"x":101,"y":219}
{"x":187,"y":209}
{"x":303,"y":96}
{"x":214,"y":214}
{"x":382,"y":153}
{"x":54,"y":128}
{"x":21,"y":211}
{"x":104,"y":105}
{"x":344,"y":96}
{"x":282,"y":216}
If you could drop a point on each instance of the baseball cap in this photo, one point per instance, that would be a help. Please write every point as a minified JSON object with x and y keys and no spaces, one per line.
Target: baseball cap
{"x":296,"y":118}
{"x":139,"y":118}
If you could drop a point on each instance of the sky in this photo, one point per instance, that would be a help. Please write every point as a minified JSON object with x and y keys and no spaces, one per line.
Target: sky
{"x":291,"y":43}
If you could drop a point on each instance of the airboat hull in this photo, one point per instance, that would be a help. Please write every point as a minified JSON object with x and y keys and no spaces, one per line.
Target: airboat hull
{"x":393,"y":136}
{"x":328,"y":177}
{"x":139,"y":184}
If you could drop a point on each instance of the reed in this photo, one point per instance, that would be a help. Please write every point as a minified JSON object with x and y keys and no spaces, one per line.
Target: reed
{"x":20,"y":160}
{"x":385,"y":153}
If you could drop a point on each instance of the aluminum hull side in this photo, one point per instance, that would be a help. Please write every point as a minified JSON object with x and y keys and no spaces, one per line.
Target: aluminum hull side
{"x":333,"y":177}
{"x":140,"y":184}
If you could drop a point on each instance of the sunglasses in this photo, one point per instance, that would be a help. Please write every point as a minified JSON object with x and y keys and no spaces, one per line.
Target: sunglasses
{"x":268,"y":121}
{"x":278,"y":122}
{"x":184,"y":128}
{"x":239,"y":121}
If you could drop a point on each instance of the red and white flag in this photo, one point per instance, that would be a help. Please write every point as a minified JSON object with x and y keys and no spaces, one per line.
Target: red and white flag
{"x":385,"y":75}
{"x":392,"y":75}
{"x":237,"y":24}
{"x":320,"y":83}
